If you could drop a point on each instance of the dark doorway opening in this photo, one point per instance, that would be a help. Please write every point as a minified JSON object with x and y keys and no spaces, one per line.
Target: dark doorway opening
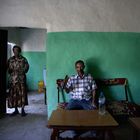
{"x":3,"y":59}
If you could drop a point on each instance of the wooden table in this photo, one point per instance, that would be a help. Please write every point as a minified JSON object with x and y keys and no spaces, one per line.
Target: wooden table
{"x":80,"y":120}
{"x":135,"y":122}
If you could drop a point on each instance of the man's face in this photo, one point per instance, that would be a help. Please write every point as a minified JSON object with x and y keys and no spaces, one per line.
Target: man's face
{"x":79,"y":67}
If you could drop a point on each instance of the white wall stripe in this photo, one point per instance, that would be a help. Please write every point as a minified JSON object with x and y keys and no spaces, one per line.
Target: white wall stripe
{"x":72,"y":15}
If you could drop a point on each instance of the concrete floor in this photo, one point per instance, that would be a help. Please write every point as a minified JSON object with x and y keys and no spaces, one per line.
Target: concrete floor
{"x":33,"y":126}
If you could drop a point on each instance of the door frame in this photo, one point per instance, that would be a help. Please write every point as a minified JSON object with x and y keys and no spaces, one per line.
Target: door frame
{"x":3,"y":61}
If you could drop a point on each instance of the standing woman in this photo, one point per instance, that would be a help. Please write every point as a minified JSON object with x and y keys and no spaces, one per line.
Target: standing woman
{"x":17,"y":68}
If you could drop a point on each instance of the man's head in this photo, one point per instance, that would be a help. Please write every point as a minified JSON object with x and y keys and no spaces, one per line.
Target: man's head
{"x":16,"y":50}
{"x":79,"y":66}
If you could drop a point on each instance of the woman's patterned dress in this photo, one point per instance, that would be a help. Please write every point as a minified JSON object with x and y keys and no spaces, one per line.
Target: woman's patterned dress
{"x":17,"y":69}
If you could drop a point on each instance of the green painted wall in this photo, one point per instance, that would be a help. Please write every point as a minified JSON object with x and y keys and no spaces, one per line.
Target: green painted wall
{"x":107,"y":55}
{"x":37,"y":61}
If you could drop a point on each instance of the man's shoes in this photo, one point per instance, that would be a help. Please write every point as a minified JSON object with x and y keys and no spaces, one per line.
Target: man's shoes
{"x":77,"y":133}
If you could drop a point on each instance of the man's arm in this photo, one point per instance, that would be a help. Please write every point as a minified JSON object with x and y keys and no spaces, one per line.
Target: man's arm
{"x":68,"y":89}
{"x":93,"y":98}
{"x":66,"y":83}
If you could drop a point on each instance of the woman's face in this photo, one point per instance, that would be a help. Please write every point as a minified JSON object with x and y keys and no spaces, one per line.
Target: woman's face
{"x":16,"y":51}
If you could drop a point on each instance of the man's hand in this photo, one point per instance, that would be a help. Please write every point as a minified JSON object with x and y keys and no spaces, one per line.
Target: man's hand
{"x":65,"y":81}
{"x":93,"y":99}
{"x":68,"y":89}
{"x":94,"y":105}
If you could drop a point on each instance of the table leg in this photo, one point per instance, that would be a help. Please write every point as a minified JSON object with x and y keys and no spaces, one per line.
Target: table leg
{"x":55,"y":134}
{"x":109,"y":135}
{"x":135,"y":134}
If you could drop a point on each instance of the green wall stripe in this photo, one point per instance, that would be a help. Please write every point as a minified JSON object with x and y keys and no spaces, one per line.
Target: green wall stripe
{"x":107,"y":55}
{"x":37,"y":61}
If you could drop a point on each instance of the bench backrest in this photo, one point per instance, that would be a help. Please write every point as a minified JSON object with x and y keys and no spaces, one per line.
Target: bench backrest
{"x":113,"y":82}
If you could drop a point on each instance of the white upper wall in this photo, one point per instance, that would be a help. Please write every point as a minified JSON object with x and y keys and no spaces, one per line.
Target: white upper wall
{"x":72,"y":15}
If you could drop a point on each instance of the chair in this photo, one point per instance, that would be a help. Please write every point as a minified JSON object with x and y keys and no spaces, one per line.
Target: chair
{"x":60,"y":90}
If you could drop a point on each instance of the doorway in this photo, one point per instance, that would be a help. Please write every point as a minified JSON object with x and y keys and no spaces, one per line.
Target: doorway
{"x":33,"y":44}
